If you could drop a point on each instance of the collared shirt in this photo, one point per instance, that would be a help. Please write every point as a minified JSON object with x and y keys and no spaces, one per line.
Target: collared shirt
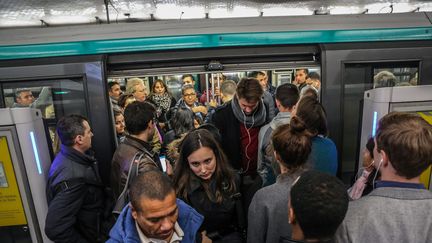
{"x":176,"y":237}
{"x":399,"y":184}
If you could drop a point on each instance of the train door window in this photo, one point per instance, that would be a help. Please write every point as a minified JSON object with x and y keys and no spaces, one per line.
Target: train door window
{"x":399,"y":75}
{"x":55,"y":98}
{"x":35,"y":97}
{"x":359,"y":77}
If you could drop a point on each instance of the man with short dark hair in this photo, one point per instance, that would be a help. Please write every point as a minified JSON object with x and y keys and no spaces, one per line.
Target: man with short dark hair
{"x":268,"y":97}
{"x":312,"y":86}
{"x":188,"y":79}
{"x":318,"y":204}
{"x":140,"y":124}
{"x":262,"y":77}
{"x":301,"y":75}
{"x":75,"y":191}
{"x":154,"y":214}
{"x":239,"y":122}
{"x":395,"y":211}
{"x":287,"y":96}
{"x":114,"y":92}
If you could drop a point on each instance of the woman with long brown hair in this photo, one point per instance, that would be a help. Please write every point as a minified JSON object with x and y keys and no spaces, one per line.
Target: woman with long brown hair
{"x":162,"y":99}
{"x":204,"y":179}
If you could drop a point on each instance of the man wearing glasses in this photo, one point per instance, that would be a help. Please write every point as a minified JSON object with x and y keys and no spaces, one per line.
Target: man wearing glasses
{"x":189,"y":101}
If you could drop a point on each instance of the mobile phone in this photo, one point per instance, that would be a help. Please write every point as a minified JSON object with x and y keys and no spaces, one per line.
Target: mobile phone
{"x":163,"y":163}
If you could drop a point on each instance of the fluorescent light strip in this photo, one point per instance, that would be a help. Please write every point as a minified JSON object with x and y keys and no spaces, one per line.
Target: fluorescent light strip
{"x":374,"y":123}
{"x":36,"y":154}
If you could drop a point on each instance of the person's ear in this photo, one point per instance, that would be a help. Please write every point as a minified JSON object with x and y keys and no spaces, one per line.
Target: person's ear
{"x":277,"y":156}
{"x":277,"y":103}
{"x":384,"y":157}
{"x":291,"y":216}
{"x":150,"y":124}
{"x":134,"y":212}
{"x":79,"y":139}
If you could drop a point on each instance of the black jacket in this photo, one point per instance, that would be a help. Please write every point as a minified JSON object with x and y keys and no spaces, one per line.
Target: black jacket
{"x":229,"y":129}
{"x":219,"y":218}
{"x":76,"y":199}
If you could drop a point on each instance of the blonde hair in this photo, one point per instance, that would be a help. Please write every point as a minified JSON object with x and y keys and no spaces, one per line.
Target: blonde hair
{"x":132,"y":83}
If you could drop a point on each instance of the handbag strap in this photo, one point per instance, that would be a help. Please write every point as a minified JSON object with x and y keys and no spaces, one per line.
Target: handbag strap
{"x":133,"y":171}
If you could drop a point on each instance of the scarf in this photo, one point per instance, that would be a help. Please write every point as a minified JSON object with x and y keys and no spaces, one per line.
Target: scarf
{"x":256,"y":119}
{"x":162,"y":102}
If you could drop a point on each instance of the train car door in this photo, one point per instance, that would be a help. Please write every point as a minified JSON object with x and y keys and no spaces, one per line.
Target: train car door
{"x":24,"y":166}
{"x":62,"y":89}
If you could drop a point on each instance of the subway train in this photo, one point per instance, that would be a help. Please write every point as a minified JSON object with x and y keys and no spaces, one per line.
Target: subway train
{"x":76,"y":62}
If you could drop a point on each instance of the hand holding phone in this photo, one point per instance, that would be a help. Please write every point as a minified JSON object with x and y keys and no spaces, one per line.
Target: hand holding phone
{"x":163,"y":163}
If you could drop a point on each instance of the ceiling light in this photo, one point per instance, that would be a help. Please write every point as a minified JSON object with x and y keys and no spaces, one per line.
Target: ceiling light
{"x":19,"y":23}
{"x":236,"y":12}
{"x":172,"y":11}
{"x":286,"y":11}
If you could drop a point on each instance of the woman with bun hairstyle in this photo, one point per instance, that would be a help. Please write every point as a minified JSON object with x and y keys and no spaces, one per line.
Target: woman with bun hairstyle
{"x":323,"y":156}
{"x":267,"y":216}
{"x":205,"y":180}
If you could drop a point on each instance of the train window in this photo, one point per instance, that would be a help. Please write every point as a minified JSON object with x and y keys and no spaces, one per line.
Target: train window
{"x":55,"y":98}
{"x":36,"y":97}
{"x":395,"y":76}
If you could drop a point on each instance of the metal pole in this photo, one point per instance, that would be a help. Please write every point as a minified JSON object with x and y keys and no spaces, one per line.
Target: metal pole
{"x":107,"y":12}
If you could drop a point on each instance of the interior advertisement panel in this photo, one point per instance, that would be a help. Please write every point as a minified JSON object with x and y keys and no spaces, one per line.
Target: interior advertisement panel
{"x":11,"y":211}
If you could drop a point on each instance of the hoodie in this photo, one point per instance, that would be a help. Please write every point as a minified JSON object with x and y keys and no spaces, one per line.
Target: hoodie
{"x":265,"y":159}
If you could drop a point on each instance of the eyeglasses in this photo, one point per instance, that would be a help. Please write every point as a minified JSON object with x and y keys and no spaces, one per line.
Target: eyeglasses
{"x":189,"y":95}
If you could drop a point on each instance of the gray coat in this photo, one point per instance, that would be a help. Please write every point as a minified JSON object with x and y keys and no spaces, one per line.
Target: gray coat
{"x":268,"y":212}
{"x":389,"y":214}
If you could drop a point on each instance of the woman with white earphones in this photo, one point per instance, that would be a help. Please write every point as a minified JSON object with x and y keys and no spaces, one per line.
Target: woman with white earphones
{"x":364,"y":184}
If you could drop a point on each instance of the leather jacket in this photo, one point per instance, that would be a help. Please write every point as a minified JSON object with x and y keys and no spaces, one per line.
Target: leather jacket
{"x":122,"y":158}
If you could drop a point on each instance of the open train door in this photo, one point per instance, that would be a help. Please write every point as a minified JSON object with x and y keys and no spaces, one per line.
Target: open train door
{"x":62,"y":86}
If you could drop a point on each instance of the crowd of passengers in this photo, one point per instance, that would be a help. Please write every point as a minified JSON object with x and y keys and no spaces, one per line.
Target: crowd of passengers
{"x":241,"y":162}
